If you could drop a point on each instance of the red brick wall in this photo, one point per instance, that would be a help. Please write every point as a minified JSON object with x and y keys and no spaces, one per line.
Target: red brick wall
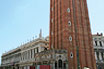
{"x":79,"y":31}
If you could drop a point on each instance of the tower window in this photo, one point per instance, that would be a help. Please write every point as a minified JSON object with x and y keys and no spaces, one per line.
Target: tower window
{"x":69,"y":23}
{"x":52,"y":8}
{"x":68,"y":10}
{"x":51,"y":33}
{"x":52,"y":47}
{"x":52,"y":20}
{"x":71,"y":55}
{"x":70,"y":38}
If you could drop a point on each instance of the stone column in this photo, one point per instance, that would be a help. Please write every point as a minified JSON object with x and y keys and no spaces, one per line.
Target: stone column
{"x":100,"y":56}
{"x":94,"y":43}
{"x":35,"y":50}
{"x":53,"y":65}
{"x":30,"y":53}
{"x":103,"y":44}
{"x":98,"y":43}
{"x":95,"y":55}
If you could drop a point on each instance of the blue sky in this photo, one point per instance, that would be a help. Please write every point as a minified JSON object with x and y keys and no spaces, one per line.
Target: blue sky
{"x":20,"y":20}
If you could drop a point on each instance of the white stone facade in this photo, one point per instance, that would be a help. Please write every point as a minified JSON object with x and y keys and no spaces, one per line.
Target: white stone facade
{"x":29,"y":50}
{"x":98,"y":43}
{"x":25,"y":53}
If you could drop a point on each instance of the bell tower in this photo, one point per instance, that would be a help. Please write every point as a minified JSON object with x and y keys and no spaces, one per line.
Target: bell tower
{"x":70,"y":30}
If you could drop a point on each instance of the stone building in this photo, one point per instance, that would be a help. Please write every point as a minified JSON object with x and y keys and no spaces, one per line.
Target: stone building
{"x":24,"y":55}
{"x":36,"y":54}
{"x":98,"y":43}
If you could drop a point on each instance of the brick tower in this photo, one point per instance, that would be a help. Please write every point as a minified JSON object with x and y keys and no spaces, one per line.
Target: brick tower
{"x":70,"y":29}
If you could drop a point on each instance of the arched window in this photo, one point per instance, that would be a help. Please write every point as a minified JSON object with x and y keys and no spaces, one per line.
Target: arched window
{"x":69,"y":23}
{"x":68,"y":10}
{"x":60,"y":63}
{"x":45,"y":49}
{"x":55,"y":65}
